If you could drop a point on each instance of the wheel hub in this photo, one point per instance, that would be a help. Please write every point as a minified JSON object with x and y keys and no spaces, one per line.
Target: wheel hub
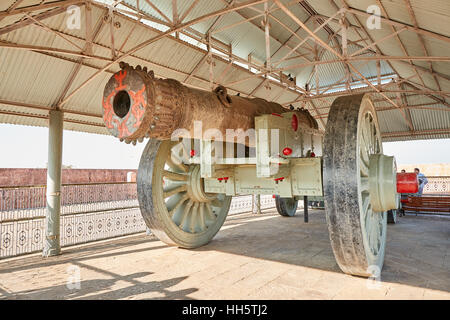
{"x":382,"y":182}
{"x":195,"y":187}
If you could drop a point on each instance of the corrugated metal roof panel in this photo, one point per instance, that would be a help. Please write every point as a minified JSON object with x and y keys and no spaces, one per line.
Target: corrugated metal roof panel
{"x":32,"y":77}
{"x":430,"y":119}
{"x":391,"y":121}
{"x":416,"y":137}
{"x":38,"y":78}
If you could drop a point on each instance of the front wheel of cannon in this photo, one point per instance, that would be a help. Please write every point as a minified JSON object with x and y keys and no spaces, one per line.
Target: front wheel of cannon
{"x":286,"y":207}
{"x":356,"y":228}
{"x":172,"y":198}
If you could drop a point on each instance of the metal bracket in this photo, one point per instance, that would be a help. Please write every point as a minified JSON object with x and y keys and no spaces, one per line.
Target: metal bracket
{"x":206,"y":159}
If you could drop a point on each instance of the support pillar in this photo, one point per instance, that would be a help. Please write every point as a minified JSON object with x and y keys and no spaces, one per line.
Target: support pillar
{"x":52,"y":245}
{"x":256,"y":204}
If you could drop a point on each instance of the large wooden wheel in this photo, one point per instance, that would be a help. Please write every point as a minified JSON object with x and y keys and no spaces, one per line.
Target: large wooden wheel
{"x":172,"y":198}
{"x":357,"y":232}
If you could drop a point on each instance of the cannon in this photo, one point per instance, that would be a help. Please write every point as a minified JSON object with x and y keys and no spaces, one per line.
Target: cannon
{"x":205,"y":147}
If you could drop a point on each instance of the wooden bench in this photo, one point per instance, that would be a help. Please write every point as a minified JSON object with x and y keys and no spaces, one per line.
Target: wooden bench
{"x":427,"y":204}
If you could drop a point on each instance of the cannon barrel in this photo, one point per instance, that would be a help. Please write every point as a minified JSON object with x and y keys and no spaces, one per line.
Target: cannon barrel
{"x":138,"y":105}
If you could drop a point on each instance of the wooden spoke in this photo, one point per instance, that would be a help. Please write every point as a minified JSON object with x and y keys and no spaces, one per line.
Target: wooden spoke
{"x":202,"y":217}
{"x":175,"y":176}
{"x":185,"y":216}
{"x":194,"y":217}
{"x":172,"y":191}
{"x":177,"y":164}
{"x":178,"y":204}
{"x":209,"y":211}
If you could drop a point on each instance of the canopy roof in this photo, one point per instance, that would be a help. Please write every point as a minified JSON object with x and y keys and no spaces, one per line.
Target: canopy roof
{"x":309,"y":53}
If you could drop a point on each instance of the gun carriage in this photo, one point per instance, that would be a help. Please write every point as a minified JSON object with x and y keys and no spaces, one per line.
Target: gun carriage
{"x":206,"y":147}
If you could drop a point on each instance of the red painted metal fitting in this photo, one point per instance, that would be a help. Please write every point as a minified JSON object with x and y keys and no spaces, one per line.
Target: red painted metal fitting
{"x":279,"y":179}
{"x":294,"y":122}
{"x":192,"y":152}
{"x":287,"y":151}
{"x":407,"y":182}
{"x":313,"y":155}
{"x":276,"y":114}
{"x":220,"y":179}
{"x":274,"y":196}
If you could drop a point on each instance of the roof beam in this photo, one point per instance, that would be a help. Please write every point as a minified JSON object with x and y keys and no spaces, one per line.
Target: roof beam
{"x":422,"y":42}
{"x":364,"y":90}
{"x":162,"y":35}
{"x":283,"y":25}
{"x":51,"y":50}
{"x":414,"y":133}
{"x":44,"y":108}
{"x":154,"y":7}
{"x":43,"y":6}
{"x":27,"y":115}
{"x":323,"y":44}
{"x":91,"y":36}
{"x":378,"y":49}
{"x":38,"y":17}
{"x":405,"y":52}
{"x":12,"y":7}
{"x":401,"y":24}
{"x":136,"y":23}
{"x":226,"y":54}
{"x":188,"y":10}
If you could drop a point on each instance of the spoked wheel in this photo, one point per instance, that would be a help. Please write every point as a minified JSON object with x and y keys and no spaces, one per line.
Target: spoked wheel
{"x":172,"y":198}
{"x":286,"y":207}
{"x":357,"y":231}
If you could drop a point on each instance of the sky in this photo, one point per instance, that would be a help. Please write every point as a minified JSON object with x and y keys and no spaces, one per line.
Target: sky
{"x":26,"y":147}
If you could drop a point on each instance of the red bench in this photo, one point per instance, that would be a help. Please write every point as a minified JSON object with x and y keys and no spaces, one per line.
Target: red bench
{"x":427,"y":204}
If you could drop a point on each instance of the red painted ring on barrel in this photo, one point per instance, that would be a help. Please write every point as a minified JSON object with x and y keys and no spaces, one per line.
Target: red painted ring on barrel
{"x":124,"y":83}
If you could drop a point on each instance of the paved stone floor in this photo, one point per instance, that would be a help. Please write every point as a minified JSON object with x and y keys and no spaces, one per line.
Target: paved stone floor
{"x":253,"y":257}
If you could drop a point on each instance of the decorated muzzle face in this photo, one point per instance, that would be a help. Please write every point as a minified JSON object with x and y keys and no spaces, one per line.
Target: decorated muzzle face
{"x":125,"y":101}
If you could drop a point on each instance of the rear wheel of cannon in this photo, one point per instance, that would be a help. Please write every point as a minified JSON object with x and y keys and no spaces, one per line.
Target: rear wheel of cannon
{"x":172,"y":198}
{"x":357,"y":232}
{"x":286,"y":207}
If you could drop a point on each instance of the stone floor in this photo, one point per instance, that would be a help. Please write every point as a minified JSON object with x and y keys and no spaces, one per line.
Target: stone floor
{"x":253,"y":257}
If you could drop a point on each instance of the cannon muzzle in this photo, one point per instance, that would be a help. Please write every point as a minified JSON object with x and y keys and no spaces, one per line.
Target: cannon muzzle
{"x":138,"y":105}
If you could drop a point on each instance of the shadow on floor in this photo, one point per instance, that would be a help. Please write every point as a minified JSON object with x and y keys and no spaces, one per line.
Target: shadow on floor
{"x":101,"y":289}
{"x":86,"y":252}
{"x":96,"y":288}
{"x":416,"y":251}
